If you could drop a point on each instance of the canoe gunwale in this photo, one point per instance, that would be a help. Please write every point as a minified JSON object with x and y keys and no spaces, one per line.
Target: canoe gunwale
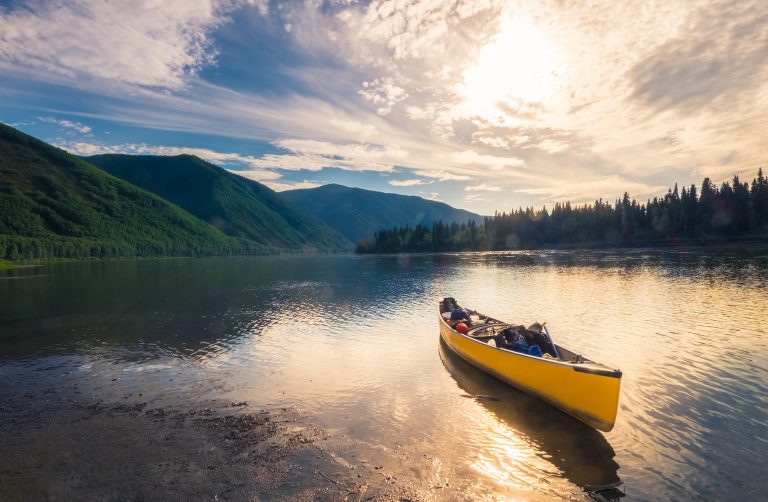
{"x":597,"y":369}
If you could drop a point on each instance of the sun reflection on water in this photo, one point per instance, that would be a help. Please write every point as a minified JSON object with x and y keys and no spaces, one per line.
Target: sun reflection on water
{"x":507,"y":459}
{"x":354,"y":345}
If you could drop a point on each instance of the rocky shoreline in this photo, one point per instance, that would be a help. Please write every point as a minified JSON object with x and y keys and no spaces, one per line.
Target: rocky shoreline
{"x":62,"y":449}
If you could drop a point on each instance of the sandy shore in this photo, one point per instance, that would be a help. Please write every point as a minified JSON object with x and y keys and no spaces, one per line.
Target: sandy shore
{"x":59,"y":448}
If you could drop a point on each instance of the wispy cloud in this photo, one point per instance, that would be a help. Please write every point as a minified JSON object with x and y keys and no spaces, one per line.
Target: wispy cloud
{"x":67,"y":124}
{"x":408,"y":183}
{"x":442,"y":175}
{"x":473,"y":158}
{"x":474,"y":197}
{"x":303,"y":155}
{"x":541,"y":101}
{"x":482,"y":188}
{"x":315,"y":155}
{"x":586,"y":191}
{"x":281,"y":186}
{"x":245,"y":165}
{"x":159,"y":44}
{"x":355,"y":129}
{"x":718,"y":61}
{"x":382,"y":93}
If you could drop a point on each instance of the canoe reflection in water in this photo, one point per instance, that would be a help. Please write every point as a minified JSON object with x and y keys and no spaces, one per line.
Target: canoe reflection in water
{"x":581,"y":454}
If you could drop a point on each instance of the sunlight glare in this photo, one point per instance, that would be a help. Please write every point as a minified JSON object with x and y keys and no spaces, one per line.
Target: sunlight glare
{"x":517,"y":69}
{"x":506,"y":456}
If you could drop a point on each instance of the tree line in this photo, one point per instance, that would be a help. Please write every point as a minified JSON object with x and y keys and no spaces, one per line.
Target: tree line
{"x":731,"y":210}
{"x":13,"y":247}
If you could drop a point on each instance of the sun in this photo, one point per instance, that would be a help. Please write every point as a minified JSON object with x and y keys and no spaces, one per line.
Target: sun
{"x":518,"y":70}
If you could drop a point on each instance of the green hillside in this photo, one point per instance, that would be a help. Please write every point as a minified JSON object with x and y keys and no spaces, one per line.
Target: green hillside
{"x":235,"y":205}
{"x":358,"y":214}
{"x":53,"y":204}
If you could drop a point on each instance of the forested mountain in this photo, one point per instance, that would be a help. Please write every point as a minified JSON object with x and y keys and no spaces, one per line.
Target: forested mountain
{"x":237,"y":206}
{"x":732,"y":210}
{"x":53,"y":204}
{"x":358,"y":213}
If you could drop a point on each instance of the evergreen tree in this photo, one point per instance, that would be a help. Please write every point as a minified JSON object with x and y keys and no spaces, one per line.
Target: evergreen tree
{"x":734,"y":209}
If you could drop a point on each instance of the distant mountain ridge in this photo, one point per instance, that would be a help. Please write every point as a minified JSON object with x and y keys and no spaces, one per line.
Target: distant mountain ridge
{"x":357,"y":213}
{"x":53,"y":204}
{"x":235,"y":205}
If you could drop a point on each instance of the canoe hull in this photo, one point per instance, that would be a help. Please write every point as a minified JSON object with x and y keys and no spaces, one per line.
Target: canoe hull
{"x":590,"y":397}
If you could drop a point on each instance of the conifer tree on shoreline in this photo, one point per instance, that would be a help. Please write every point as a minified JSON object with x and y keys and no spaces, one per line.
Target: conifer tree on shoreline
{"x":735,"y":209}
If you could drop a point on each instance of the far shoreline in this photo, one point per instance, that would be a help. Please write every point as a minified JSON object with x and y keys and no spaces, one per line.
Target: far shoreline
{"x":743,"y":242}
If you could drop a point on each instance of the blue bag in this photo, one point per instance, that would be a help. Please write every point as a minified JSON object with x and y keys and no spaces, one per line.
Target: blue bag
{"x":458,"y":314}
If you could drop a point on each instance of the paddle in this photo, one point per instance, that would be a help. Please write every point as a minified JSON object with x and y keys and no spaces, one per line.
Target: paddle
{"x":552,"y":343}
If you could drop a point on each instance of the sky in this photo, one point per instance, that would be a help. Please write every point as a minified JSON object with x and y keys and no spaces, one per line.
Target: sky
{"x":485,"y":105}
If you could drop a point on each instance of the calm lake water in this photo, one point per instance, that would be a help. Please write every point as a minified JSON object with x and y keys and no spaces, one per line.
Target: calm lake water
{"x":353,"y":344}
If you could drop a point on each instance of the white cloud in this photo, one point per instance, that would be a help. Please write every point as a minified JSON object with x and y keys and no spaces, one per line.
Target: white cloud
{"x":414,"y":29}
{"x":76,"y":126}
{"x":606,"y":187}
{"x":68,"y":124}
{"x":474,"y":197}
{"x":492,"y":141}
{"x":357,"y":150}
{"x":431,"y":196}
{"x":315,"y":155}
{"x":143,"y":42}
{"x":382,"y":93}
{"x":482,"y":188}
{"x":261,"y":5}
{"x":552,"y":146}
{"x":642,"y":94}
{"x":416,"y":113}
{"x":252,"y":165}
{"x":602,"y":108}
{"x":473,"y":158}
{"x":408,"y":183}
{"x":441,"y":175}
{"x":354,"y":128}
{"x":282,"y":186}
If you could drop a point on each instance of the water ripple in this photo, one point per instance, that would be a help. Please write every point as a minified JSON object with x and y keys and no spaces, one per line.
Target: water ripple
{"x":352,"y":341}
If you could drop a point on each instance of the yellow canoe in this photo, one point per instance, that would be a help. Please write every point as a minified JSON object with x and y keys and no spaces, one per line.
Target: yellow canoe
{"x":586,"y":390}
